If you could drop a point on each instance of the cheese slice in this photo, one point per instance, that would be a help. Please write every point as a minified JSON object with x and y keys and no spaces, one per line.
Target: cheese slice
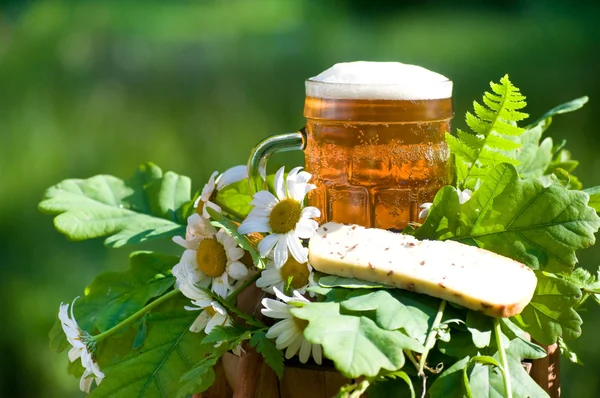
{"x":466,"y":275}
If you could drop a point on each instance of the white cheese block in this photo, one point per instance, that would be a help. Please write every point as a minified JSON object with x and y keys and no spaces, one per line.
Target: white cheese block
{"x":466,"y":275}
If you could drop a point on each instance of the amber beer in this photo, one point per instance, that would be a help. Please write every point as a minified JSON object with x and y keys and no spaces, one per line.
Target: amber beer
{"x":376,"y":147}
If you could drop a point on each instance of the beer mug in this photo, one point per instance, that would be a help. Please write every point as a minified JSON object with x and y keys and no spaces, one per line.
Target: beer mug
{"x":373,"y":142}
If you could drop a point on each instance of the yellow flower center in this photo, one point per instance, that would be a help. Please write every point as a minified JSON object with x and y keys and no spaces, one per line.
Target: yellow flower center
{"x":285,"y":215}
{"x":210,"y":311}
{"x":211,"y":258}
{"x":301,"y":324}
{"x":297,"y":271}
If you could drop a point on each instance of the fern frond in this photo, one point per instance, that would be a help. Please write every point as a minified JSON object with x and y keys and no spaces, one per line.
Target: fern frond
{"x":495,"y":133}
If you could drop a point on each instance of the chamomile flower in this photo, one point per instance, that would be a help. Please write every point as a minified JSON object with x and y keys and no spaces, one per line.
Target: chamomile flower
{"x":197,"y":229}
{"x":463,"y":196}
{"x":215,"y":260}
{"x":284,"y":217}
{"x":288,"y":332}
{"x":79,"y":340}
{"x":206,"y":198}
{"x":213,"y":314}
{"x":301,"y":275}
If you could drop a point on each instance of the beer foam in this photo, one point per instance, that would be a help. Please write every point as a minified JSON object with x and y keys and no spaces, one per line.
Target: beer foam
{"x":379,"y":81}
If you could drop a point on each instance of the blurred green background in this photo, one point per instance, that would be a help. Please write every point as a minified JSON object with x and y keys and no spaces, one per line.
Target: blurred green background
{"x":94,"y":87}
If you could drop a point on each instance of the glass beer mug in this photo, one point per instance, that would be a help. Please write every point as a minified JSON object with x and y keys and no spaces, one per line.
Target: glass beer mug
{"x":373,"y":141}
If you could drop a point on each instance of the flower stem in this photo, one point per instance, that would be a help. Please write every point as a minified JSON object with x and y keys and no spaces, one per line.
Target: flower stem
{"x":503,"y":360}
{"x":412,"y":358}
{"x":134,"y":317}
{"x":239,"y":216}
{"x":430,"y":341}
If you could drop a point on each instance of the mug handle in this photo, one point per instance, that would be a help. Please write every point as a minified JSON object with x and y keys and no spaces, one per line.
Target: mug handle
{"x":257,"y":163}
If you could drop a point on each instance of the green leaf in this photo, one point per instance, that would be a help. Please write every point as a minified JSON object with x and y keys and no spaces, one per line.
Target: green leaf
{"x":584,"y":280}
{"x":356,"y":344}
{"x":235,"y":198}
{"x":495,"y":134}
{"x":348,"y":283}
{"x":443,"y":220}
{"x":450,"y":383}
{"x":540,"y":226}
{"x":396,"y":309}
{"x":487,"y":381}
{"x":142,"y":332}
{"x":200,"y":378}
{"x":519,"y":344}
{"x":550,"y":313}
{"x":128,"y":212}
{"x":567,"y":107}
{"x":114,"y":296}
{"x":540,"y":160}
{"x":534,"y":157}
{"x":594,"y":193}
{"x":266,"y":347}
{"x":155,"y":370}
{"x":393,"y":384}
{"x":482,"y":377}
{"x":230,"y":334}
{"x":567,"y":352}
{"x":484,"y":381}
{"x":481,"y":328}
{"x":231,"y":228}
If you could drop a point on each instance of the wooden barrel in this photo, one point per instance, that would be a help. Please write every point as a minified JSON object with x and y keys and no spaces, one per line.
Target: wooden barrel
{"x":250,"y":377}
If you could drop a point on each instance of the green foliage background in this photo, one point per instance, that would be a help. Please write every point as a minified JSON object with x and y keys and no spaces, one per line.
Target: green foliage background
{"x":94,"y":87}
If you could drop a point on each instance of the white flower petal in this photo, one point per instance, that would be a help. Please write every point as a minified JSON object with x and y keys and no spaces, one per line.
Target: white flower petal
{"x":220,"y":285}
{"x":275,"y":309}
{"x":216,"y":320}
{"x":310,"y":212}
{"x":237,"y":270}
{"x":299,"y":252}
{"x":74,"y":353}
{"x":200,"y":323}
{"x":85,"y":383}
{"x":279,"y":188}
{"x":254,"y":225}
{"x":305,"y":350}
{"x":282,"y":296}
{"x":199,"y":226}
{"x":264,"y":199}
{"x":298,"y":297}
{"x":306,"y":228}
{"x":291,"y":182}
{"x":97,"y":372}
{"x":267,"y":243}
{"x":184,"y":243}
{"x":464,"y":196}
{"x":317,"y":353}
{"x":213,"y":206}
{"x":425,"y":212}
{"x":269,"y":277}
{"x":231,"y":176}
{"x":277,"y":329}
{"x":280,"y":254}
{"x":192,"y":292}
{"x":235,"y":253}
{"x":286,"y":337}
{"x":208,"y":189}
{"x":294,"y":347}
